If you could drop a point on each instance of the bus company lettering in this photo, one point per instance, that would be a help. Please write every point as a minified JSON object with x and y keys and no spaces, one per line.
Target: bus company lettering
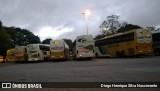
{"x":26,"y":85}
{"x":34,"y":86}
{"x":143,"y":37}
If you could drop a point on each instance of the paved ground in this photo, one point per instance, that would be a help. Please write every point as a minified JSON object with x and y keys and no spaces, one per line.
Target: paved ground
{"x":144,"y":69}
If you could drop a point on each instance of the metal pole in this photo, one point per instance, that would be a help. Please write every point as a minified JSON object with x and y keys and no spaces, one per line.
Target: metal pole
{"x":86,"y":23}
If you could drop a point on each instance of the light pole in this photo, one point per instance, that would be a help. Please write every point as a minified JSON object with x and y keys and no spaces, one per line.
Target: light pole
{"x":86,"y":13}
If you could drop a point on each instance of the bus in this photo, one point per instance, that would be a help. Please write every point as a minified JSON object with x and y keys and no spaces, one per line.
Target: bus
{"x":83,"y":47}
{"x":38,"y":52}
{"x":10,"y":55}
{"x":156,"y":43}
{"x":20,"y":53}
{"x":135,"y":42}
{"x":59,"y":50}
{"x":1,"y":58}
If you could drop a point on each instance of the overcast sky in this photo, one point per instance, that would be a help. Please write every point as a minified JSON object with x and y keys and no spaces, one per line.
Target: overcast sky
{"x":59,"y":19}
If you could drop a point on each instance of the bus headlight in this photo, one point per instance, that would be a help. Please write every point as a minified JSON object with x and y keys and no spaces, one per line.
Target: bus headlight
{"x":80,"y":55}
{"x":53,"y":56}
{"x":61,"y":56}
{"x":149,"y":50}
{"x":140,"y":51}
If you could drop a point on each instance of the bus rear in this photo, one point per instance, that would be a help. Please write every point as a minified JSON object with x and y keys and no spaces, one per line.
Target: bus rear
{"x":143,"y":42}
{"x":84,"y":47}
{"x":38,"y":52}
{"x":57,"y":48}
{"x":1,"y":58}
{"x":10,"y":55}
{"x":20,"y":53}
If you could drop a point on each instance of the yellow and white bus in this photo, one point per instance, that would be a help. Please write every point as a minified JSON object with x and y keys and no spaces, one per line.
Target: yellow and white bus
{"x":10,"y":55}
{"x":59,"y":50}
{"x":20,"y":53}
{"x":132,"y":43}
{"x":83,"y":47}
{"x":1,"y":58}
{"x":38,"y":52}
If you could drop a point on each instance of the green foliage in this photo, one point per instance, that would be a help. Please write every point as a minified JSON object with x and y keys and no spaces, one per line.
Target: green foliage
{"x":5,"y":42}
{"x":0,"y":24}
{"x":69,"y":42}
{"x":99,"y":36}
{"x":21,"y":37}
{"x":46,"y":41}
{"x":128,"y":27}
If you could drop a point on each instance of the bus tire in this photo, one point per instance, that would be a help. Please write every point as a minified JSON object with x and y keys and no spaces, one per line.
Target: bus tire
{"x":66,"y":58}
{"x":123,"y":54}
{"x":157,"y":52}
{"x":96,"y":55}
{"x":118,"y":54}
{"x":75,"y":57}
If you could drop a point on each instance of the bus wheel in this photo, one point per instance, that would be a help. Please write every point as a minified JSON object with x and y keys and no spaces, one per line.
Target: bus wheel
{"x":66,"y":58}
{"x":44,"y":59}
{"x":118,"y":54}
{"x":96,"y":55}
{"x":75,"y":57}
{"x":123,"y":54}
{"x":156,"y":52}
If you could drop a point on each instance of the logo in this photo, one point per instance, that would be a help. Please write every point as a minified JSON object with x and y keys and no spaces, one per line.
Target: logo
{"x":56,"y":42}
{"x":6,"y":85}
{"x":145,"y":33}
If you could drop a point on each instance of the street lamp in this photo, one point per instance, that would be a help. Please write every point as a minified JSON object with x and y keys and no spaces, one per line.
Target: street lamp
{"x":86,"y":13}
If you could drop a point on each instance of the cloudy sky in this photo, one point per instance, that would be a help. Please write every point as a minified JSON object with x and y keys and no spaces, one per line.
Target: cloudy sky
{"x":59,"y":19}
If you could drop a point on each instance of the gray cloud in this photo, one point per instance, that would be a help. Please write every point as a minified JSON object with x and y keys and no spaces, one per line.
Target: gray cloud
{"x":35,"y":14}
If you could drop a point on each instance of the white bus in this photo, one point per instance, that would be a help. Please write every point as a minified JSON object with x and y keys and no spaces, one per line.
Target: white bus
{"x":59,"y":50}
{"x":83,"y":47}
{"x":20,"y":53}
{"x":38,"y":52}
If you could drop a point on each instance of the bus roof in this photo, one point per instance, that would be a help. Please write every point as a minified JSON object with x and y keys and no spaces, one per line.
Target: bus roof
{"x":117,"y":34}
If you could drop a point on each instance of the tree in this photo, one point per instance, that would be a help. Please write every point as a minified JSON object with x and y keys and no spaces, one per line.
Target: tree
{"x":46,"y":41}
{"x":99,"y":36}
{"x":128,"y":27}
{"x":69,"y":42}
{"x":0,"y":24}
{"x":21,"y":37}
{"x":110,"y":25}
{"x":5,"y":42}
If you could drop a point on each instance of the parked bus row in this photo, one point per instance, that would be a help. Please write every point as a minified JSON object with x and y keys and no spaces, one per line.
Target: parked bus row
{"x":135,"y":42}
{"x":56,"y":50}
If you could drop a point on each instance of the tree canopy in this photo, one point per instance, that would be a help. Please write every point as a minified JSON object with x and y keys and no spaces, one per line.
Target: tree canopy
{"x":5,"y":42}
{"x":0,"y":24}
{"x":21,"y":37}
{"x":128,"y":27}
{"x":69,"y":42}
{"x":125,"y":28}
{"x":46,"y":41}
{"x":12,"y":36}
